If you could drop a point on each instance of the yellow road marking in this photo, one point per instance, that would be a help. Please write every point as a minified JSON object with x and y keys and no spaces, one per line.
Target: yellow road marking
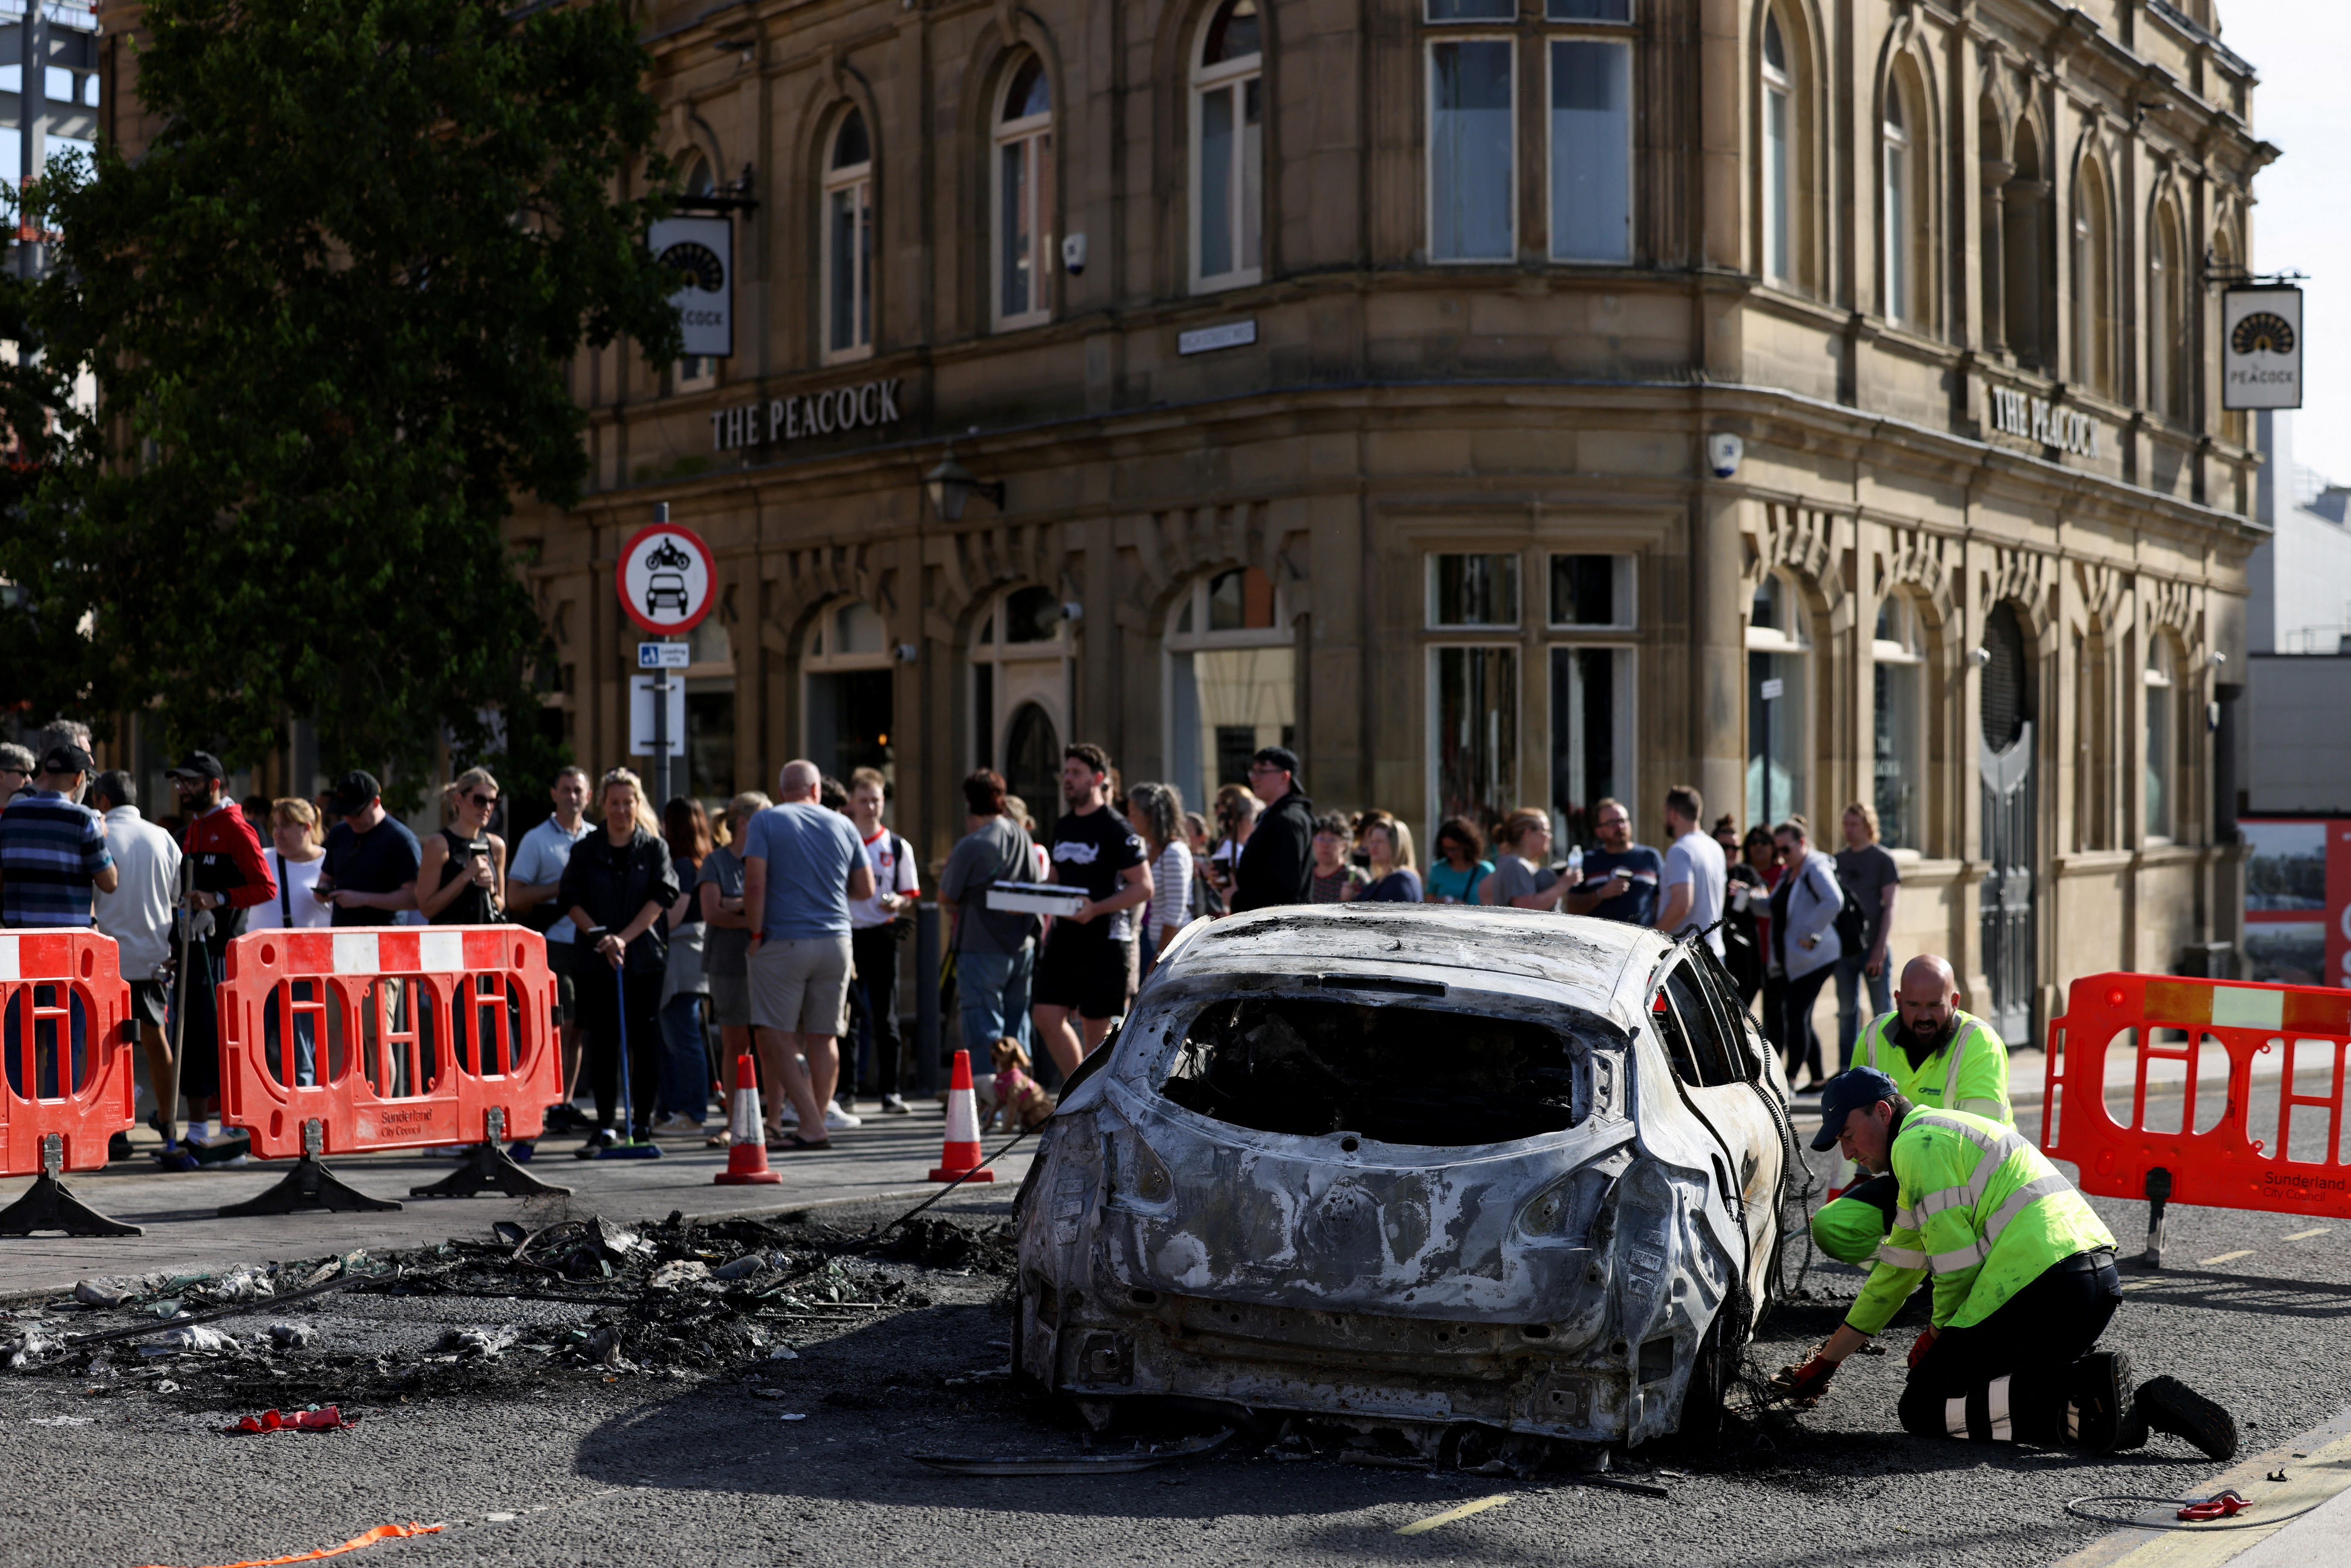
{"x":2307,"y":1234}
{"x":1423,"y":1526}
{"x":2224,"y":1258}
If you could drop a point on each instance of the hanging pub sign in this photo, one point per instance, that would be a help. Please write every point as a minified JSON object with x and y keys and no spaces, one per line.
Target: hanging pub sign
{"x":703,"y":250}
{"x":2261,"y":348}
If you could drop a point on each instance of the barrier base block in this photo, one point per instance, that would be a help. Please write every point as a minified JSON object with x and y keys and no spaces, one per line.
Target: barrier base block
{"x":488,"y":1169}
{"x":48,"y":1205}
{"x":309,"y":1184}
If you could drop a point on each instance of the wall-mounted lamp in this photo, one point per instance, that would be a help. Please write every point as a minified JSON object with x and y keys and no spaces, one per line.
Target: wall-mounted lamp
{"x":951,"y":485}
{"x":1979,"y":657}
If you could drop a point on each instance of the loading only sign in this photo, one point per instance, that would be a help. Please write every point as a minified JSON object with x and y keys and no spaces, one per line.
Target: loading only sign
{"x":665,"y":578}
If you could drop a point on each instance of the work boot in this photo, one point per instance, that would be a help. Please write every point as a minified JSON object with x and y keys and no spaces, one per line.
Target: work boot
{"x":117,"y":1147}
{"x":2169,"y":1406}
{"x":2098,"y":1400}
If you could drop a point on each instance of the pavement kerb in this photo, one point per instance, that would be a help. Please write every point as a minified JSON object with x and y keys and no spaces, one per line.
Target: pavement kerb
{"x":2322,"y":1472}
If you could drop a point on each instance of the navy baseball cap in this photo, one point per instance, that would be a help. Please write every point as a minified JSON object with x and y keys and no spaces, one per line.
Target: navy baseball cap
{"x":1854,"y":1089}
{"x":197,"y":764}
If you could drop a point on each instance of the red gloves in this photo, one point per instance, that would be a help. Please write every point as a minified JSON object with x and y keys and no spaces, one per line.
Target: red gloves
{"x":1805,"y":1383}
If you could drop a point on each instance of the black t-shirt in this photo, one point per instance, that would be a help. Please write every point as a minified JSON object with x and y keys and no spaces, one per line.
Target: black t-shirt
{"x":1090,"y":852}
{"x":384,"y":859}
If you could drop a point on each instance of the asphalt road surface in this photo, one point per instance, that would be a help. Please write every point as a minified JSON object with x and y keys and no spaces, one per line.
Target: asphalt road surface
{"x":588,"y":1467}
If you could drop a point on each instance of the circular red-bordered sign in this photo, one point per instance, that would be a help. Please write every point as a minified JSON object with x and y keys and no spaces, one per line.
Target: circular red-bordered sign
{"x":665,"y":578}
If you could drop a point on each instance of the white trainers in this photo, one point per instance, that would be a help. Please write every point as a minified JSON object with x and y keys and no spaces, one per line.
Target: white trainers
{"x":835,"y":1117}
{"x":676,"y":1127}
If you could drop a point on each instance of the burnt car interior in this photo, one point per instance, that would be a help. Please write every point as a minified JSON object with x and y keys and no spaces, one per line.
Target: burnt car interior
{"x":1422,"y":1076}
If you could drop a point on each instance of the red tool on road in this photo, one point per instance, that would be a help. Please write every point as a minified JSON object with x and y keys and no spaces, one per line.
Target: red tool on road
{"x":2220,"y":1505}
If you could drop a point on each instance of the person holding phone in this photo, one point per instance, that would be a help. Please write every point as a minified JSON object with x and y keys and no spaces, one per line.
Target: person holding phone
{"x":465,"y":864}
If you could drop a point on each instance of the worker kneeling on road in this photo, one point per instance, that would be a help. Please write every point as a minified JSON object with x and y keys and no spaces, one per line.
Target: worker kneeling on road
{"x":1940,"y":1058}
{"x":2025,"y":1284}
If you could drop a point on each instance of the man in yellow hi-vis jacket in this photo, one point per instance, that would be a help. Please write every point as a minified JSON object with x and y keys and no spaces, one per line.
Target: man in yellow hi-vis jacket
{"x":2025,"y":1284}
{"x":1940,"y":1058}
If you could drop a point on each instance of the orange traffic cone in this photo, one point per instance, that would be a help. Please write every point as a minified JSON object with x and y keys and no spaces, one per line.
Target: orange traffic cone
{"x":747,"y":1153}
{"x":960,"y":1158}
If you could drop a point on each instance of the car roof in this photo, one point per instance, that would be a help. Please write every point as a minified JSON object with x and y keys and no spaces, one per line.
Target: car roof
{"x":1592,"y":959}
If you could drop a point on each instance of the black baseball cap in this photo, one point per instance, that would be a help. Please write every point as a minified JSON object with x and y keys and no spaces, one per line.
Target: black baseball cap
{"x":352,"y":792}
{"x":68,"y":759}
{"x":1854,"y":1089}
{"x":197,"y":764}
{"x":1280,"y":756}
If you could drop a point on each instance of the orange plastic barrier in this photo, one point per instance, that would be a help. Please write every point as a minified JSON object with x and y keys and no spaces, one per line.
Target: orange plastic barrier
{"x":54,"y":1118}
{"x":396,"y":1037}
{"x":2256,"y":1148}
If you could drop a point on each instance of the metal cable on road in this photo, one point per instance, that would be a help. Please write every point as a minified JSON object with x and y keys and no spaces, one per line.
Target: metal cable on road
{"x":2199,"y":1526}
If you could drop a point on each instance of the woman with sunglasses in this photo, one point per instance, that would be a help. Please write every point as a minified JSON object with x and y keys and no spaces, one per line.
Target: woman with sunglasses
{"x":465,"y":864}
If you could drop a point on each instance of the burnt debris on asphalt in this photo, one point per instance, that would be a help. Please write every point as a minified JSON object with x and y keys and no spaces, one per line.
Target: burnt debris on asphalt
{"x":579,"y":1298}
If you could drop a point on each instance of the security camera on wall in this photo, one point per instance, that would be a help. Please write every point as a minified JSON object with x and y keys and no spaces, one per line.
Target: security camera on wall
{"x":1073,"y":254}
{"x":1723,"y":452}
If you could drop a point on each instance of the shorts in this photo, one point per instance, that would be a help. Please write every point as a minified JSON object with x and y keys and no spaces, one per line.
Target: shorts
{"x":149,"y":1003}
{"x":730,"y":1001}
{"x":800,"y":983}
{"x":562,"y":963}
{"x":1077,"y":969}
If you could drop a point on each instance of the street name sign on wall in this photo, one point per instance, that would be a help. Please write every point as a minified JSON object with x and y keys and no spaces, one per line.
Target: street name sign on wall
{"x":2261,"y":348}
{"x":704,"y":250}
{"x":665,"y":578}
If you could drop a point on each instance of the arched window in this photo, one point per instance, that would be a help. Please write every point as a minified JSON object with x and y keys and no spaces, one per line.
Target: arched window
{"x":1232,"y":680}
{"x":2225,"y":257}
{"x":1908,"y":206}
{"x":696,"y":371}
{"x":1020,"y":657}
{"x":2167,"y":314}
{"x":2162,"y":739}
{"x":1024,"y":197}
{"x":1781,"y":155}
{"x":1228,"y":150}
{"x":849,"y":241}
{"x":1777,"y":643}
{"x":846,"y":672}
{"x":2094,"y":281}
{"x":1898,"y":652}
{"x":2024,"y":232}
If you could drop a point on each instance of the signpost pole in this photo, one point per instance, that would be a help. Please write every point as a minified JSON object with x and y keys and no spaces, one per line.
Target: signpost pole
{"x":661,"y":740}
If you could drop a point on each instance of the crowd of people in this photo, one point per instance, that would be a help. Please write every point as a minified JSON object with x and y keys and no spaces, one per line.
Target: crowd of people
{"x":681,"y":943}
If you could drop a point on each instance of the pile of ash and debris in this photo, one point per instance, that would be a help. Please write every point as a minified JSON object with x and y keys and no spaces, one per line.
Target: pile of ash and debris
{"x":581,"y":1298}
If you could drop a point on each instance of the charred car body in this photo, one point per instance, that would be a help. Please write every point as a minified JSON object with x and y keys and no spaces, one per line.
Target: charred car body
{"x":1409,"y":1168}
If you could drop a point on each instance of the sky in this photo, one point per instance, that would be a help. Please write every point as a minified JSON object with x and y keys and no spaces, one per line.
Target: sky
{"x":2302,"y":219}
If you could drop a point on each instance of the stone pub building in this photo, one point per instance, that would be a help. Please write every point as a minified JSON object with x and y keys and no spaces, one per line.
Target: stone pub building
{"x":1352,"y":374}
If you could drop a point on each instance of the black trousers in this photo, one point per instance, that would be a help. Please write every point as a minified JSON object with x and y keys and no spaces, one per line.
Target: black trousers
{"x":2004,"y":1379}
{"x":602,"y":1013}
{"x":874,"y":950}
{"x":1799,"y":1045}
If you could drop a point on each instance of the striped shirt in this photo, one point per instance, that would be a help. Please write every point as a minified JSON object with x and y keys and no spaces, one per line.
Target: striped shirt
{"x":50,"y":854}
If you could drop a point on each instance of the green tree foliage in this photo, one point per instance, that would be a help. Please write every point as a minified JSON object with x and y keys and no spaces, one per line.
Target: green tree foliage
{"x":328,"y":314}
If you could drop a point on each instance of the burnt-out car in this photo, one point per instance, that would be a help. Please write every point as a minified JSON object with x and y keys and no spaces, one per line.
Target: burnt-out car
{"x":1413,"y":1168}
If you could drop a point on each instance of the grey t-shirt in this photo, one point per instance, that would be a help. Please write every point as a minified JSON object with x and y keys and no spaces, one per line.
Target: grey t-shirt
{"x":726,"y":950}
{"x":995,"y":853}
{"x":1697,"y":860}
{"x":1514,"y":878}
{"x":1869,"y":870}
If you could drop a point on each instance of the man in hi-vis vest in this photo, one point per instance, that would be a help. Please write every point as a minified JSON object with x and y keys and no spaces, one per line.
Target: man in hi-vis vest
{"x":2025,"y":1284}
{"x":1939,"y":1058}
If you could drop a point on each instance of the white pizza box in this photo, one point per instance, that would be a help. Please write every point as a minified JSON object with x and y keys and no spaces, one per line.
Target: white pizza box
{"x":1034,"y":898}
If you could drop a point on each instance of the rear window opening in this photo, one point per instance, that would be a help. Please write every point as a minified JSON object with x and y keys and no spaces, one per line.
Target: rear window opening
{"x":1426,"y":1077}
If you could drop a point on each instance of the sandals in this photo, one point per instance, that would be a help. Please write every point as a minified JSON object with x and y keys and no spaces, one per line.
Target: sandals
{"x":794,"y":1141}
